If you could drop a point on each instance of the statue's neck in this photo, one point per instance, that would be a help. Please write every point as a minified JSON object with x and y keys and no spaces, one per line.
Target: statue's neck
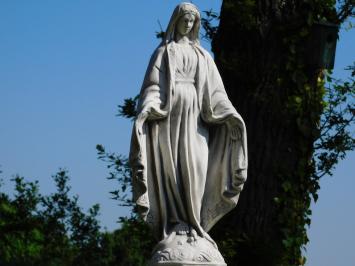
{"x":182,"y":39}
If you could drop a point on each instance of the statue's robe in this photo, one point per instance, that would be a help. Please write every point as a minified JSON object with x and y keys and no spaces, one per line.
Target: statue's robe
{"x":153,"y":173}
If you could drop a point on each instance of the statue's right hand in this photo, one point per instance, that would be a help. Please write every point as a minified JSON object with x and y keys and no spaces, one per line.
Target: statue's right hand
{"x":141,"y":118}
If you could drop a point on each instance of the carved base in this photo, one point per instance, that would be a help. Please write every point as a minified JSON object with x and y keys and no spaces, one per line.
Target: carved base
{"x":183,"y":247}
{"x":187,"y":264}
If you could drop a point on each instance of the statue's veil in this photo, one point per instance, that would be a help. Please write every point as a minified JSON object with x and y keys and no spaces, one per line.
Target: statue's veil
{"x":179,"y":11}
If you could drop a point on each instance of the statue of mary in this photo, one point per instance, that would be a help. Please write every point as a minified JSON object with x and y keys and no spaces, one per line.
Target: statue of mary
{"x":188,"y":150}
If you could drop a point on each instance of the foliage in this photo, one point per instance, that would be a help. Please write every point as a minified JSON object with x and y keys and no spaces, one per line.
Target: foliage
{"x":208,"y":23}
{"x":20,"y":228}
{"x":138,"y":242}
{"x":331,"y":138}
{"x":53,"y":229}
{"x":345,"y":10}
{"x":119,"y":171}
{"x":335,"y":138}
{"x":134,"y":232}
{"x":129,"y":108}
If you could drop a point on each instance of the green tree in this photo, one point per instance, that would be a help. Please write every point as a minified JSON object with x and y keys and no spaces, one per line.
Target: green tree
{"x":135,"y":234}
{"x":48,"y":230}
{"x":21,"y":237}
{"x":298,"y":126}
{"x":54,"y":230}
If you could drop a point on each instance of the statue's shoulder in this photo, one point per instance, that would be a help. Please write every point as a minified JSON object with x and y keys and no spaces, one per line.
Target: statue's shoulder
{"x":159,"y":51}
{"x":158,"y":55}
{"x":204,"y":52}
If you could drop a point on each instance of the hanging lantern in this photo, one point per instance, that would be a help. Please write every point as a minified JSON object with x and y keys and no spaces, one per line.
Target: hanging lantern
{"x":322,"y":45}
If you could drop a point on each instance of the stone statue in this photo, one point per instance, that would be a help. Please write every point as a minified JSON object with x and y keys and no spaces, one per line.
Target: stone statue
{"x":188,"y":151}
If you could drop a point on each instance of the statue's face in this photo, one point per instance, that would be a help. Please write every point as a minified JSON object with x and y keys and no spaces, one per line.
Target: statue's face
{"x":185,"y":24}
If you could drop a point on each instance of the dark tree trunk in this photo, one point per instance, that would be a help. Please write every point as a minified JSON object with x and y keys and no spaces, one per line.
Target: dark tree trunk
{"x":260,"y":52}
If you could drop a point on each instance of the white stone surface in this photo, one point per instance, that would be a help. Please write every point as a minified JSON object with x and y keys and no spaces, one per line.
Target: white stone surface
{"x":188,"y":150}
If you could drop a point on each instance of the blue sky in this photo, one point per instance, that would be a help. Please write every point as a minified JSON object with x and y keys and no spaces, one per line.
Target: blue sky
{"x":66,"y":65}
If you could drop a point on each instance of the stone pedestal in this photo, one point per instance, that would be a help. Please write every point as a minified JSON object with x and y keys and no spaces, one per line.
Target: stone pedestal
{"x":188,"y":264}
{"x":183,"y":247}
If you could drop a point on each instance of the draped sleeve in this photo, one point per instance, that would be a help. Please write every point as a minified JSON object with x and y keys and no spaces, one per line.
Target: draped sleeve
{"x":228,"y":155}
{"x":153,"y":104}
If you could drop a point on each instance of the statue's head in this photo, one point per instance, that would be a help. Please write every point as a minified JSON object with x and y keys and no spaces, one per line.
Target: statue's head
{"x":185,"y":21}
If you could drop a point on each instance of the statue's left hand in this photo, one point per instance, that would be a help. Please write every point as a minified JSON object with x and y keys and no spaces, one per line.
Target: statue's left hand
{"x":235,"y":133}
{"x":234,"y":130}
{"x":239,"y":177}
{"x":143,"y":116}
